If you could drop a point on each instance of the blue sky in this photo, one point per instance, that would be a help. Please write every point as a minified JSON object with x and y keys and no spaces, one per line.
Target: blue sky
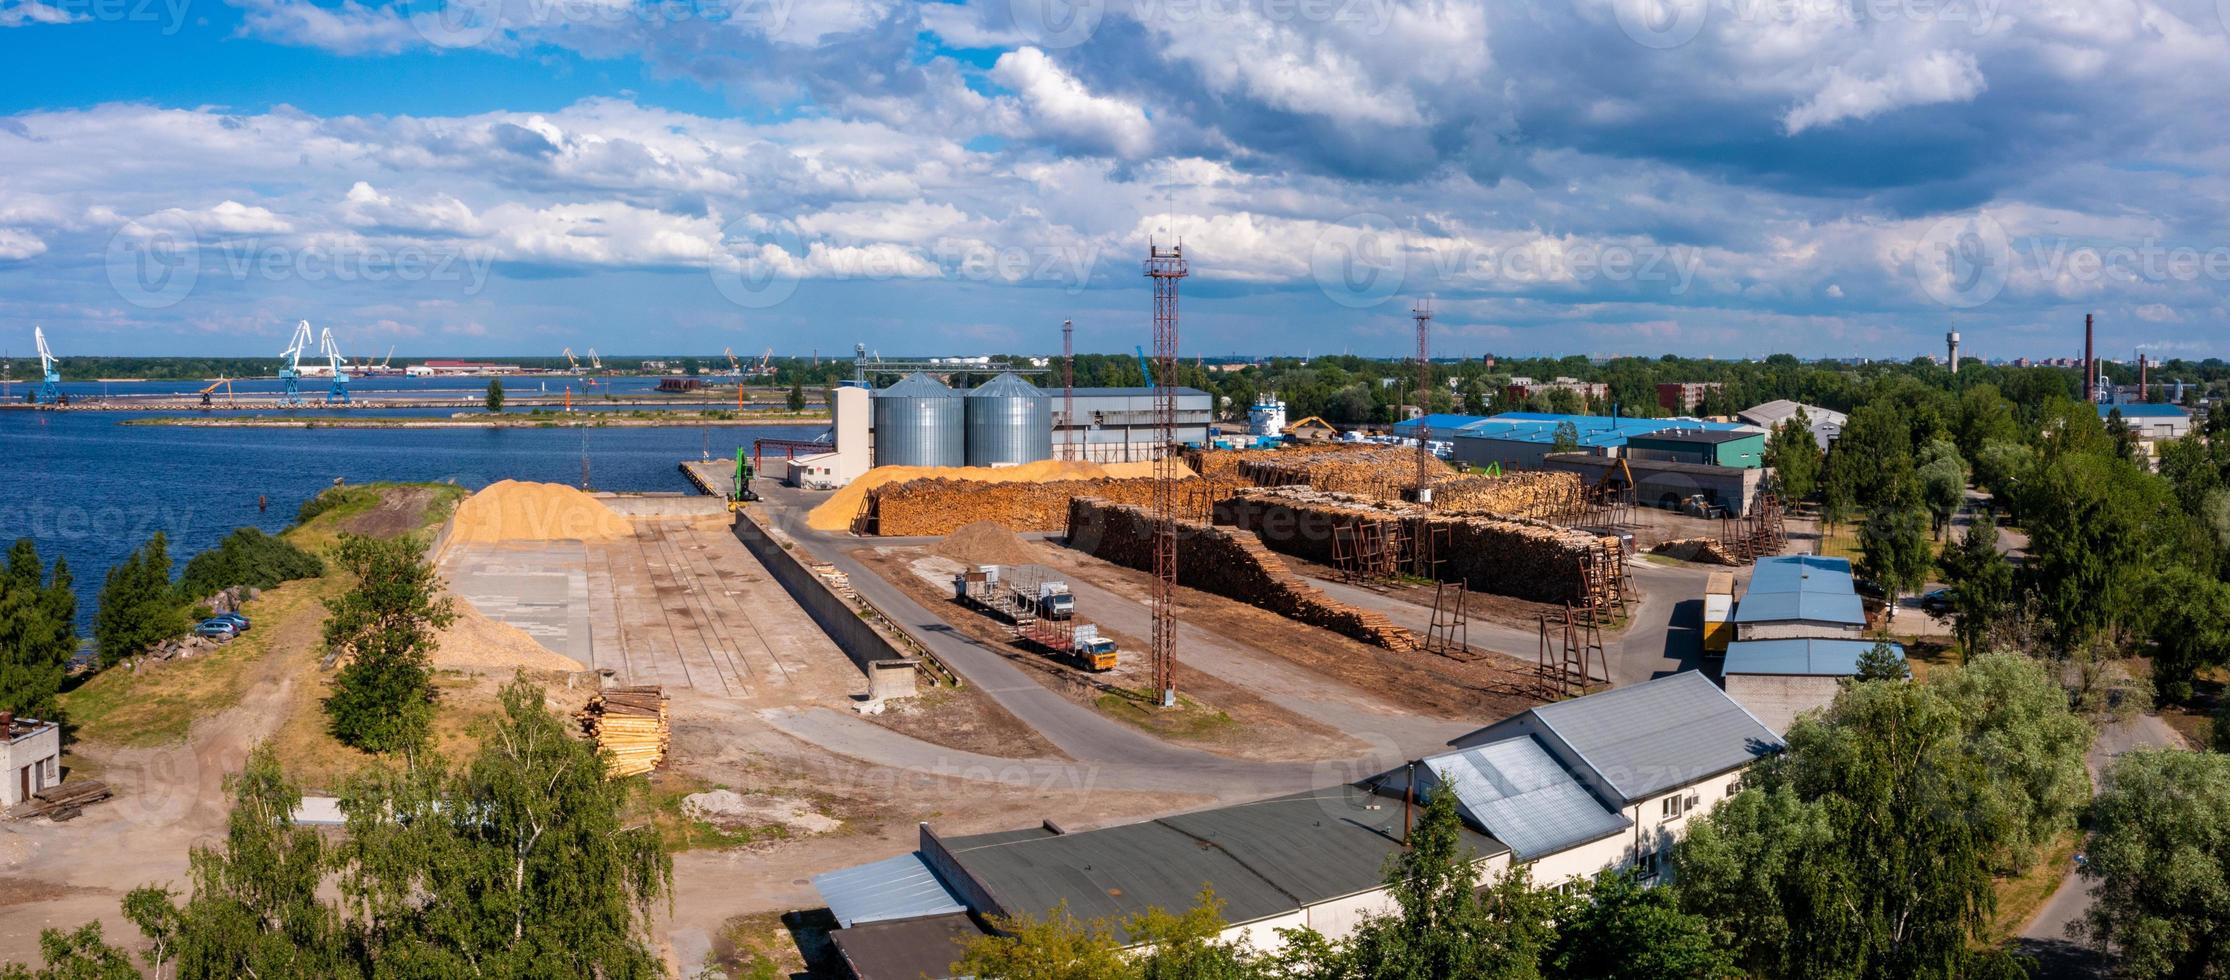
{"x":1713,"y":177}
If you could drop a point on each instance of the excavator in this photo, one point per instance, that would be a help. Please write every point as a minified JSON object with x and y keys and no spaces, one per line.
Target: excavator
{"x":741,"y":493}
{"x":225,"y":383}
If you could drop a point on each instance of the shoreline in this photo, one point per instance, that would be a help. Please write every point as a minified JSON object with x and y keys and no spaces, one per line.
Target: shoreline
{"x":493,"y":422}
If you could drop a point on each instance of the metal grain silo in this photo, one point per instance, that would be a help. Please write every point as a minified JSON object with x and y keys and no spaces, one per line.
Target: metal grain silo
{"x":919,"y":422}
{"x":1010,"y":421}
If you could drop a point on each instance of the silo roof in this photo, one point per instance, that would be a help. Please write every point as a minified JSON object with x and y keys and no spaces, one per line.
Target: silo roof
{"x":1007,"y":385}
{"x":917,"y":385}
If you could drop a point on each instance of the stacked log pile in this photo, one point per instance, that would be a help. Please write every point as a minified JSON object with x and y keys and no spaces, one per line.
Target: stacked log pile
{"x":1510,"y":556}
{"x":1706,"y":551}
{"x":1538,"y":494}
{"x":1223,"y":464}
{"x":1227,"y":562}
{"x":939,"y":506}
{"x":59,"y":803}
{"x":630,"y":728}
{"x":1383,"y":472}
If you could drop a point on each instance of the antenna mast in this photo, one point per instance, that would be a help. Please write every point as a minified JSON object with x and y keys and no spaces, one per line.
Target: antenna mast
{"x":1166,"y":266}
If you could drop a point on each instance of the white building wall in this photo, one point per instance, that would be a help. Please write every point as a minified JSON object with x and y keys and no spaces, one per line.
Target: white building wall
{"x":1778,"y":698}
{"x":32,"y":761}
{"x":1797,"y":631}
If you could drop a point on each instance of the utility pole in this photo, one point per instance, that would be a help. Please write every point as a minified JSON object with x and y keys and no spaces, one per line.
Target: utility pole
{"x":1166,"y":266}
{"x":1422,"y":313}
{"x":1068,"y":388}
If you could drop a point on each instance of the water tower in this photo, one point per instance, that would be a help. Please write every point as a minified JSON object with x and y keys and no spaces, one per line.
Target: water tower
{"x":1951,"y":340}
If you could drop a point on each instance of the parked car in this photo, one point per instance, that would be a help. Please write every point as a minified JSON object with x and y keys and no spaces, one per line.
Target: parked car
{"x":1869,"y":588}
{"x":1936,"y":603}
{"x":238,"y":621}
{"x":219,"y":628}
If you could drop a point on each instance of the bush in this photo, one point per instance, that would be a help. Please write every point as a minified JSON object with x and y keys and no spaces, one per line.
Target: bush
{"x":331,"y":497}
{"x":138,"y":606}
{"x":246,"y":557}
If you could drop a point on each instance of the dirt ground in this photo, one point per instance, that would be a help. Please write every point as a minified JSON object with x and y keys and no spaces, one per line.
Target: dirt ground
{"x":1492,"y":687}
{"x":401,"y":510}
{"x":1223,"y":717}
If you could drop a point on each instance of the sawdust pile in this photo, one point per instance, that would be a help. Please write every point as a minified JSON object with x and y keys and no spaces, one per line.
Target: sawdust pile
{"x":985,"y":543}
{"x":515,"y":511}
{"x":846,"y":505}
{"x":477,"y":644}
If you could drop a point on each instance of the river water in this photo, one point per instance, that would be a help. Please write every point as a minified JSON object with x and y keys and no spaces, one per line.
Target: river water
{"x":85,"y":487}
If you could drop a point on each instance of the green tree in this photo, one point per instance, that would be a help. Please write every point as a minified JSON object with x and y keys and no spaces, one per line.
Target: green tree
{"x":2159,"y":858}
{"x":521,"y":864}
{"x":138,"y":606}
{"x":495,"y":394}
{"x":1620,"y":929}
{"x":1894,"y":550}
{"x":1981,"y":581}
{"x":2091,"y":520}
{"x":1056,"y":946}
{"x":2189,"y":625}
{"x":1943,"y":483}
{"x":1795,"y":457}
{"x":1443,"y":925}
{"x":1880,"y":662}
{"x":797,"y":397}
{"x":37,"y":631}
{"x":248,"y":557}
{"x":385,"y":626}
{"x":1565,"y":401}
{"x":80,"y":955}
{"x":1984,"y":417}
{"x":1566,"y":438}
{"x":2000,"y":466}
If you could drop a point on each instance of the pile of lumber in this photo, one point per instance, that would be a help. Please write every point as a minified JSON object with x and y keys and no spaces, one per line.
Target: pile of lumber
{"x":1510,"y":556}
{"x":59,"y":803}
{"x":1539,"y":494}
{"x":1230,"y":563}
{"x":629,"y":726}
{"x":940,"y":506}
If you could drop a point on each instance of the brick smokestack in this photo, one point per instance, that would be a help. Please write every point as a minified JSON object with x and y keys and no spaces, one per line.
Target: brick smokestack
{"x":2090,"y":364}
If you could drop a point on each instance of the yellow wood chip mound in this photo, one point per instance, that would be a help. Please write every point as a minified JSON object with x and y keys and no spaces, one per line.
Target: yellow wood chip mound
{"x":515,"y":511}
{"x":837,"y":512}
{"x":477,"y":644}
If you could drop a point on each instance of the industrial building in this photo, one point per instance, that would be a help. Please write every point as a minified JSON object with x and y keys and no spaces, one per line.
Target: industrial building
{"x":1520,"y":440}
{"x":1827,"y":424}
{"x":1677,"y":459}
{"x":1800,"y":597}
{"x":1777,"y":680}
{"x":2151,"y":421}
{"x":1703,"y":447}
{"x":1567,"y":789}
{"x":1116,"y":425}
{"x":30,"y":757}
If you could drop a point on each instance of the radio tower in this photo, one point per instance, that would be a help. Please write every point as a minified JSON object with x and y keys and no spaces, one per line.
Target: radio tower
{"x":1068,"y":389}
{"x":1423,"y":314}
{"x":1165,"y":266}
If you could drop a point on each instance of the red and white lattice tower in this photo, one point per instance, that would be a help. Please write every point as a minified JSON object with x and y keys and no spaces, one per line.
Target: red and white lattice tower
{"x":1166,"y":266}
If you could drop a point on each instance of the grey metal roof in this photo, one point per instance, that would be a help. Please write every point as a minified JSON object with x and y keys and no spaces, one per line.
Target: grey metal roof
{"x":1007,"y":385}
{"x":1524,"y":797}
{"x":917,"y":385}
{"x":908,"y":949}
{"x":902,"y":887}
{"x":1130,"y":392}
{"x":1264,"y":859}
{"x":1654,"y":736}
{"x":1801,"y":607}
{"x":1806,"y":657}
{"x":1711,"y":437}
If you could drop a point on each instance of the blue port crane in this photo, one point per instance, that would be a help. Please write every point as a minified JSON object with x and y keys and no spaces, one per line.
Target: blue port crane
{"x":338,"y":394}
{"x":50,"y":370}
{"x":1142,"y":368}
{"x":290,"y":365}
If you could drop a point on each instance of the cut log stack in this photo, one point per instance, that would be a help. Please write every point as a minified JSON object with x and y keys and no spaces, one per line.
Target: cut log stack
{"x":1223,"y":464}
{"x":1539,"y":494}
{"x":939,"y":506}
{"x":1230,"y":563}
{"x":630,"y":729}
{"x":59,"y":803}
{"x":1382,"y":472}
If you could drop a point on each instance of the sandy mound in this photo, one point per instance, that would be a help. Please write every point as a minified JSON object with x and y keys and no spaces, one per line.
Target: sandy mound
{"x":515,"y":511}
{"x":985,"y":543}
{"x":837,"y":512}
{"x":481,"y":645}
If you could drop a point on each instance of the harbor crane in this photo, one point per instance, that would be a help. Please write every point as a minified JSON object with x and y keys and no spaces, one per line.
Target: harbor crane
{"x":735,"y":366}
{"x":290,"y":365}
{"x":766,"y":364}
{"x":574,"y":364}
{"x":338,"y":394}
{"x":595,"y":363}
{"x":50,"y":371}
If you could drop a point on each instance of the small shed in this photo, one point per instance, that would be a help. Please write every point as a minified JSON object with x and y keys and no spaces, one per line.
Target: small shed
{"x":1777,"y":680}
{"x":30,"y":756}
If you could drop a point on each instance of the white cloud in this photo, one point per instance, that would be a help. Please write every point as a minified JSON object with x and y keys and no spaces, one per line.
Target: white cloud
{"x":16,"y":245}
{"x":23,"y":13}
{"x":349,"y":28}
{"x":1938,"y":77}
{"x":1065,"y":109}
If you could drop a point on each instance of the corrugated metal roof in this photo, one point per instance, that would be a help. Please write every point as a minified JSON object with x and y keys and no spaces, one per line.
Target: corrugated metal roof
{"x":1592,"y":430}
{"x":902,"y":887}
{"x":1801,"y":573}
{"x":2145,"y":410}
{"x":1657,"y":735}
{"x":1842,"y":609}
{"x":1264,"y":859}
{"x":1524,"y":797}
{"x":1007,"y":385}
{"x":912,"y":949}
{"x":917,"y":385}
{"x":1806,"y":658}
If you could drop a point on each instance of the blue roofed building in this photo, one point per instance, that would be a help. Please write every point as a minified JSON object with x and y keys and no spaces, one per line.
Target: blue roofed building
{"x":1800,"y":596}
{"x":1670,"y":459}
{"x":2151,"y":421}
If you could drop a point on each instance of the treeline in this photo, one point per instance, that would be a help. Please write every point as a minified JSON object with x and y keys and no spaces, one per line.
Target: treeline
{"x":1871,"y":849}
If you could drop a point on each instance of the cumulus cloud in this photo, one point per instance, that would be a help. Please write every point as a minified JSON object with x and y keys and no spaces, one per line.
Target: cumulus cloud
{"x":16,"y":246}
{"x":1063,"y":108}
{"x":1939,"y":76}
{"x":26,"y":12}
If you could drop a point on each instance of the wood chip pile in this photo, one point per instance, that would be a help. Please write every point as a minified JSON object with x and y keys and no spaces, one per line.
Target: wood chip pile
{"x":1538,"y":494}
{"x":59,"y":803}
{"x":1228,"y":562}
{"x":1508,"y":556}
{"x":630,"y":729}
{"x":941,"y":506}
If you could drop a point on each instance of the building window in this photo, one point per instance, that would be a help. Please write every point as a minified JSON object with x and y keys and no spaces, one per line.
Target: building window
{"x":1674,"y":807}
{"x":1646,"y":865}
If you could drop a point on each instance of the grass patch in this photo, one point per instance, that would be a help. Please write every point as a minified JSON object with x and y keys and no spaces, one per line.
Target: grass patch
{"x":1188,"y":720}
{"x":158,"y":703}
{"x":661,"y":807}
{"x":1842,"y":544}
{"x":1925,"y":655}
{"x":759,"y":946}
{"x":2020,"y":896}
